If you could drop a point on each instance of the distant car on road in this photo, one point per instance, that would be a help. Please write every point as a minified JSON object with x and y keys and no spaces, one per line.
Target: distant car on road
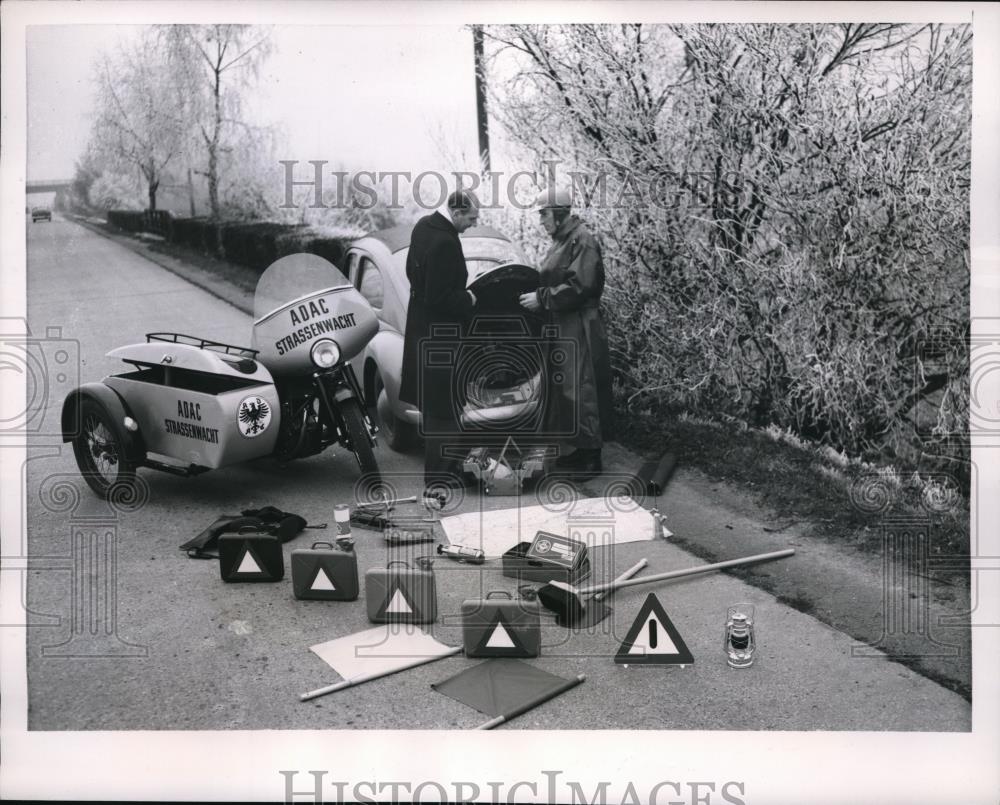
{"x":502,"y":392}
{"x":40,"y":214}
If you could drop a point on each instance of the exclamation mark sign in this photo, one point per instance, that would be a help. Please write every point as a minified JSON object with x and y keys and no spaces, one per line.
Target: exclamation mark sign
{"x":652,"y":632}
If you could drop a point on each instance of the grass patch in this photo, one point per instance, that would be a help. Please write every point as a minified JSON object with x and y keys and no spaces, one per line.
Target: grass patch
{"x":800,"y":481}
{"x":799,"y":602}
{"x":236,"y":275}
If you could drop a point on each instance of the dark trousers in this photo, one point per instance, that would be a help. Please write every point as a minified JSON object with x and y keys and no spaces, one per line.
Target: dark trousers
{"x":445,"y":445}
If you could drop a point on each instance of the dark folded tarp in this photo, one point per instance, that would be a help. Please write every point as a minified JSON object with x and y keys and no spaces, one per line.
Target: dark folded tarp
{"x":501,"y":686}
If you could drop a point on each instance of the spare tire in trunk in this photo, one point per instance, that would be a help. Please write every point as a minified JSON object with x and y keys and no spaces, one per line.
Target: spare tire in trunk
{"x":507,"y":351}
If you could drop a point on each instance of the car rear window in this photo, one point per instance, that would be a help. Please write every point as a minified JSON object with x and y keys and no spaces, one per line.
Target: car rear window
{"x":481,"y":254}
{"x":499,"y":251}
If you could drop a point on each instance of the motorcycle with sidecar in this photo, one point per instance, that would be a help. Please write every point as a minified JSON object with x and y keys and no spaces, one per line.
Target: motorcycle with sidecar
{"x":189,"y":404}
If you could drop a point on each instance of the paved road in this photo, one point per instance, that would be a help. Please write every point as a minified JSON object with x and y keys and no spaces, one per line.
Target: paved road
{"x":194,"y":653}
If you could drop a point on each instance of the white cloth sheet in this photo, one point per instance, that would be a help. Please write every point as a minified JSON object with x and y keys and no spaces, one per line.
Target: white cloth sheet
{"x":593,"y":521}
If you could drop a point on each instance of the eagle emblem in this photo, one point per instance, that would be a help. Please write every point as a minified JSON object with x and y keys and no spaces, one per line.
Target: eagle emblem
{"x":254,"y":416}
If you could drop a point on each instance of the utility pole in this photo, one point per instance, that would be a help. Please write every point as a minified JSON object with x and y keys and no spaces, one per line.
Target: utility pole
{"x":482,"y":118}
{"x":190,"y":186}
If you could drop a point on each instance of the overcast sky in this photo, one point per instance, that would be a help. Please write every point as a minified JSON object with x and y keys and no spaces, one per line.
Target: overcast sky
{"x":367,"y":98}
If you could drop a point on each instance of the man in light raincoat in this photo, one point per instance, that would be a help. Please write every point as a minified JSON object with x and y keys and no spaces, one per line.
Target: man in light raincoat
{"x":578,"y":395}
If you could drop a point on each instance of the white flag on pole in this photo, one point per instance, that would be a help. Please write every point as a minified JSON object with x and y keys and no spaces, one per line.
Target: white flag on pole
{"x":383,"y":649}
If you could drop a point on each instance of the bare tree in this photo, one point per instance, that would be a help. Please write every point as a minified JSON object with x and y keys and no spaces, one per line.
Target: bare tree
{"x":212,"y":65}
{"x":138,"y":122}
{"x":87,"y":170}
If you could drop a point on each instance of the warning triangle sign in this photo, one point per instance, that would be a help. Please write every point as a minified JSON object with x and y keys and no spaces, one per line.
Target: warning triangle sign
{"x":249,"y":564}
{"x":322,"y":581}
{"x":499,"y":640}
{"x":653,"y":639}
{"x":397,"y":605}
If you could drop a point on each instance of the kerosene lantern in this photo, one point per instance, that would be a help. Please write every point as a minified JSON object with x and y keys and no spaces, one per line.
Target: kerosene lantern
{"x":740,"y":642}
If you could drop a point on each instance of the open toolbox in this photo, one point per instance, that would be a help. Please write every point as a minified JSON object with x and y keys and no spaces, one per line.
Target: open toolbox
{"x":504,"y":471}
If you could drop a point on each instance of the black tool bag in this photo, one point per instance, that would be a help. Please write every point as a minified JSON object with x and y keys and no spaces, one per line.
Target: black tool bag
{"x":267,"y":520}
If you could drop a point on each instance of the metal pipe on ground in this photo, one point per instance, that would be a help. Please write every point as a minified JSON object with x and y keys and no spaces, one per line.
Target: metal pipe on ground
{"x":656,"y":474}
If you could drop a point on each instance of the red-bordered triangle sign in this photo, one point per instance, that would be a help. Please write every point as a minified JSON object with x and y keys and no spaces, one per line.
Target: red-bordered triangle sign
{"x":653,"y":639}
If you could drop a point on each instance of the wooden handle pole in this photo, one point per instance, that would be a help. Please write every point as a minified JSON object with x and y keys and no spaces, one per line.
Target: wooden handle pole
{"x":366,"y":504}
{"x":626,"y":575}
{"x":524,"y":708}
{"x":691,"y":571}
{"x":349,"y":683}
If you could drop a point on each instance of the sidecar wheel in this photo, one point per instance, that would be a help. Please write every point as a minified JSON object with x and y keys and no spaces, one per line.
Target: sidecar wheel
{"x":357,"y":432}
{"x":99,"y":449}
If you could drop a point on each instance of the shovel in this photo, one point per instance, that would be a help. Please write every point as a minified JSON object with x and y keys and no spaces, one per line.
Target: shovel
{"x":596,"y":610}
{"x":570,"y":605}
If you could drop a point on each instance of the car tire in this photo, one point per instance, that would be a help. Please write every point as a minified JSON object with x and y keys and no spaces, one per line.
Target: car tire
{"x":399,"y":435}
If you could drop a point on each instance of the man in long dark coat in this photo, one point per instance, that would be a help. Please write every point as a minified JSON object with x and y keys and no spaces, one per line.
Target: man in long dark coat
{"x":439,"y":311}
{"x":578,"y":401}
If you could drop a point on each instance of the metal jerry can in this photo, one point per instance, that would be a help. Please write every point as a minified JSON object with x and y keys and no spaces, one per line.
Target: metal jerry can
{"x":398,"y":593}
{"x":501,"y":627}
{"x":325,"y":573}
{"x":251,"y":555}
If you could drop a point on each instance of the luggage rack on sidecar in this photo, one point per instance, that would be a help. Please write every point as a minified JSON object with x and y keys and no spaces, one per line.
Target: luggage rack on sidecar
{"x":506,"y":473}
{"x":203,"y":343}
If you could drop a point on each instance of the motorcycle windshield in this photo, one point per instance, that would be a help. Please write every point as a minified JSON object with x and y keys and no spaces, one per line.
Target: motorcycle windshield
{"x":300,"y":300}
{"x":292,"y":279}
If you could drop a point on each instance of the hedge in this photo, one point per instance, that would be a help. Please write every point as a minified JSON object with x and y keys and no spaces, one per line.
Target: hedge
{"x":254,"y":244}
{"x":128,"y":220}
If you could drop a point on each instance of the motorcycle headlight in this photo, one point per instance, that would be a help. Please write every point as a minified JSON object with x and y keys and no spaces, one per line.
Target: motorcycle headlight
{"x":325,"y":353}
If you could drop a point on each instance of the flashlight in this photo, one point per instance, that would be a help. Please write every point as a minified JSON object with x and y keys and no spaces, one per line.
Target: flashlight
{"x":460,"y":553}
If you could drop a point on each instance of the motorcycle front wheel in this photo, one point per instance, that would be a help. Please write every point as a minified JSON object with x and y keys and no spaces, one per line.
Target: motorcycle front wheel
{"x":357,"y":432}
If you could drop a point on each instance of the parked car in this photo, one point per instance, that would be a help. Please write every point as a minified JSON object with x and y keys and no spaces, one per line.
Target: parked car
{"x":498,"y":365}
{"x":40,"y":214}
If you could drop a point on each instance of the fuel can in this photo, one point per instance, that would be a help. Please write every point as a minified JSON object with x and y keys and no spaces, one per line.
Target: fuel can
{"x":325,"y":573}
{"x":398,"y":593}
{"x":501,"y":626}
{"x":250,"y":555}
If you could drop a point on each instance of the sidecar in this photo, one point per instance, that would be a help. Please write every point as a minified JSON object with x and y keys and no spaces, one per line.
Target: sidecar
{"x":188,"y":405}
